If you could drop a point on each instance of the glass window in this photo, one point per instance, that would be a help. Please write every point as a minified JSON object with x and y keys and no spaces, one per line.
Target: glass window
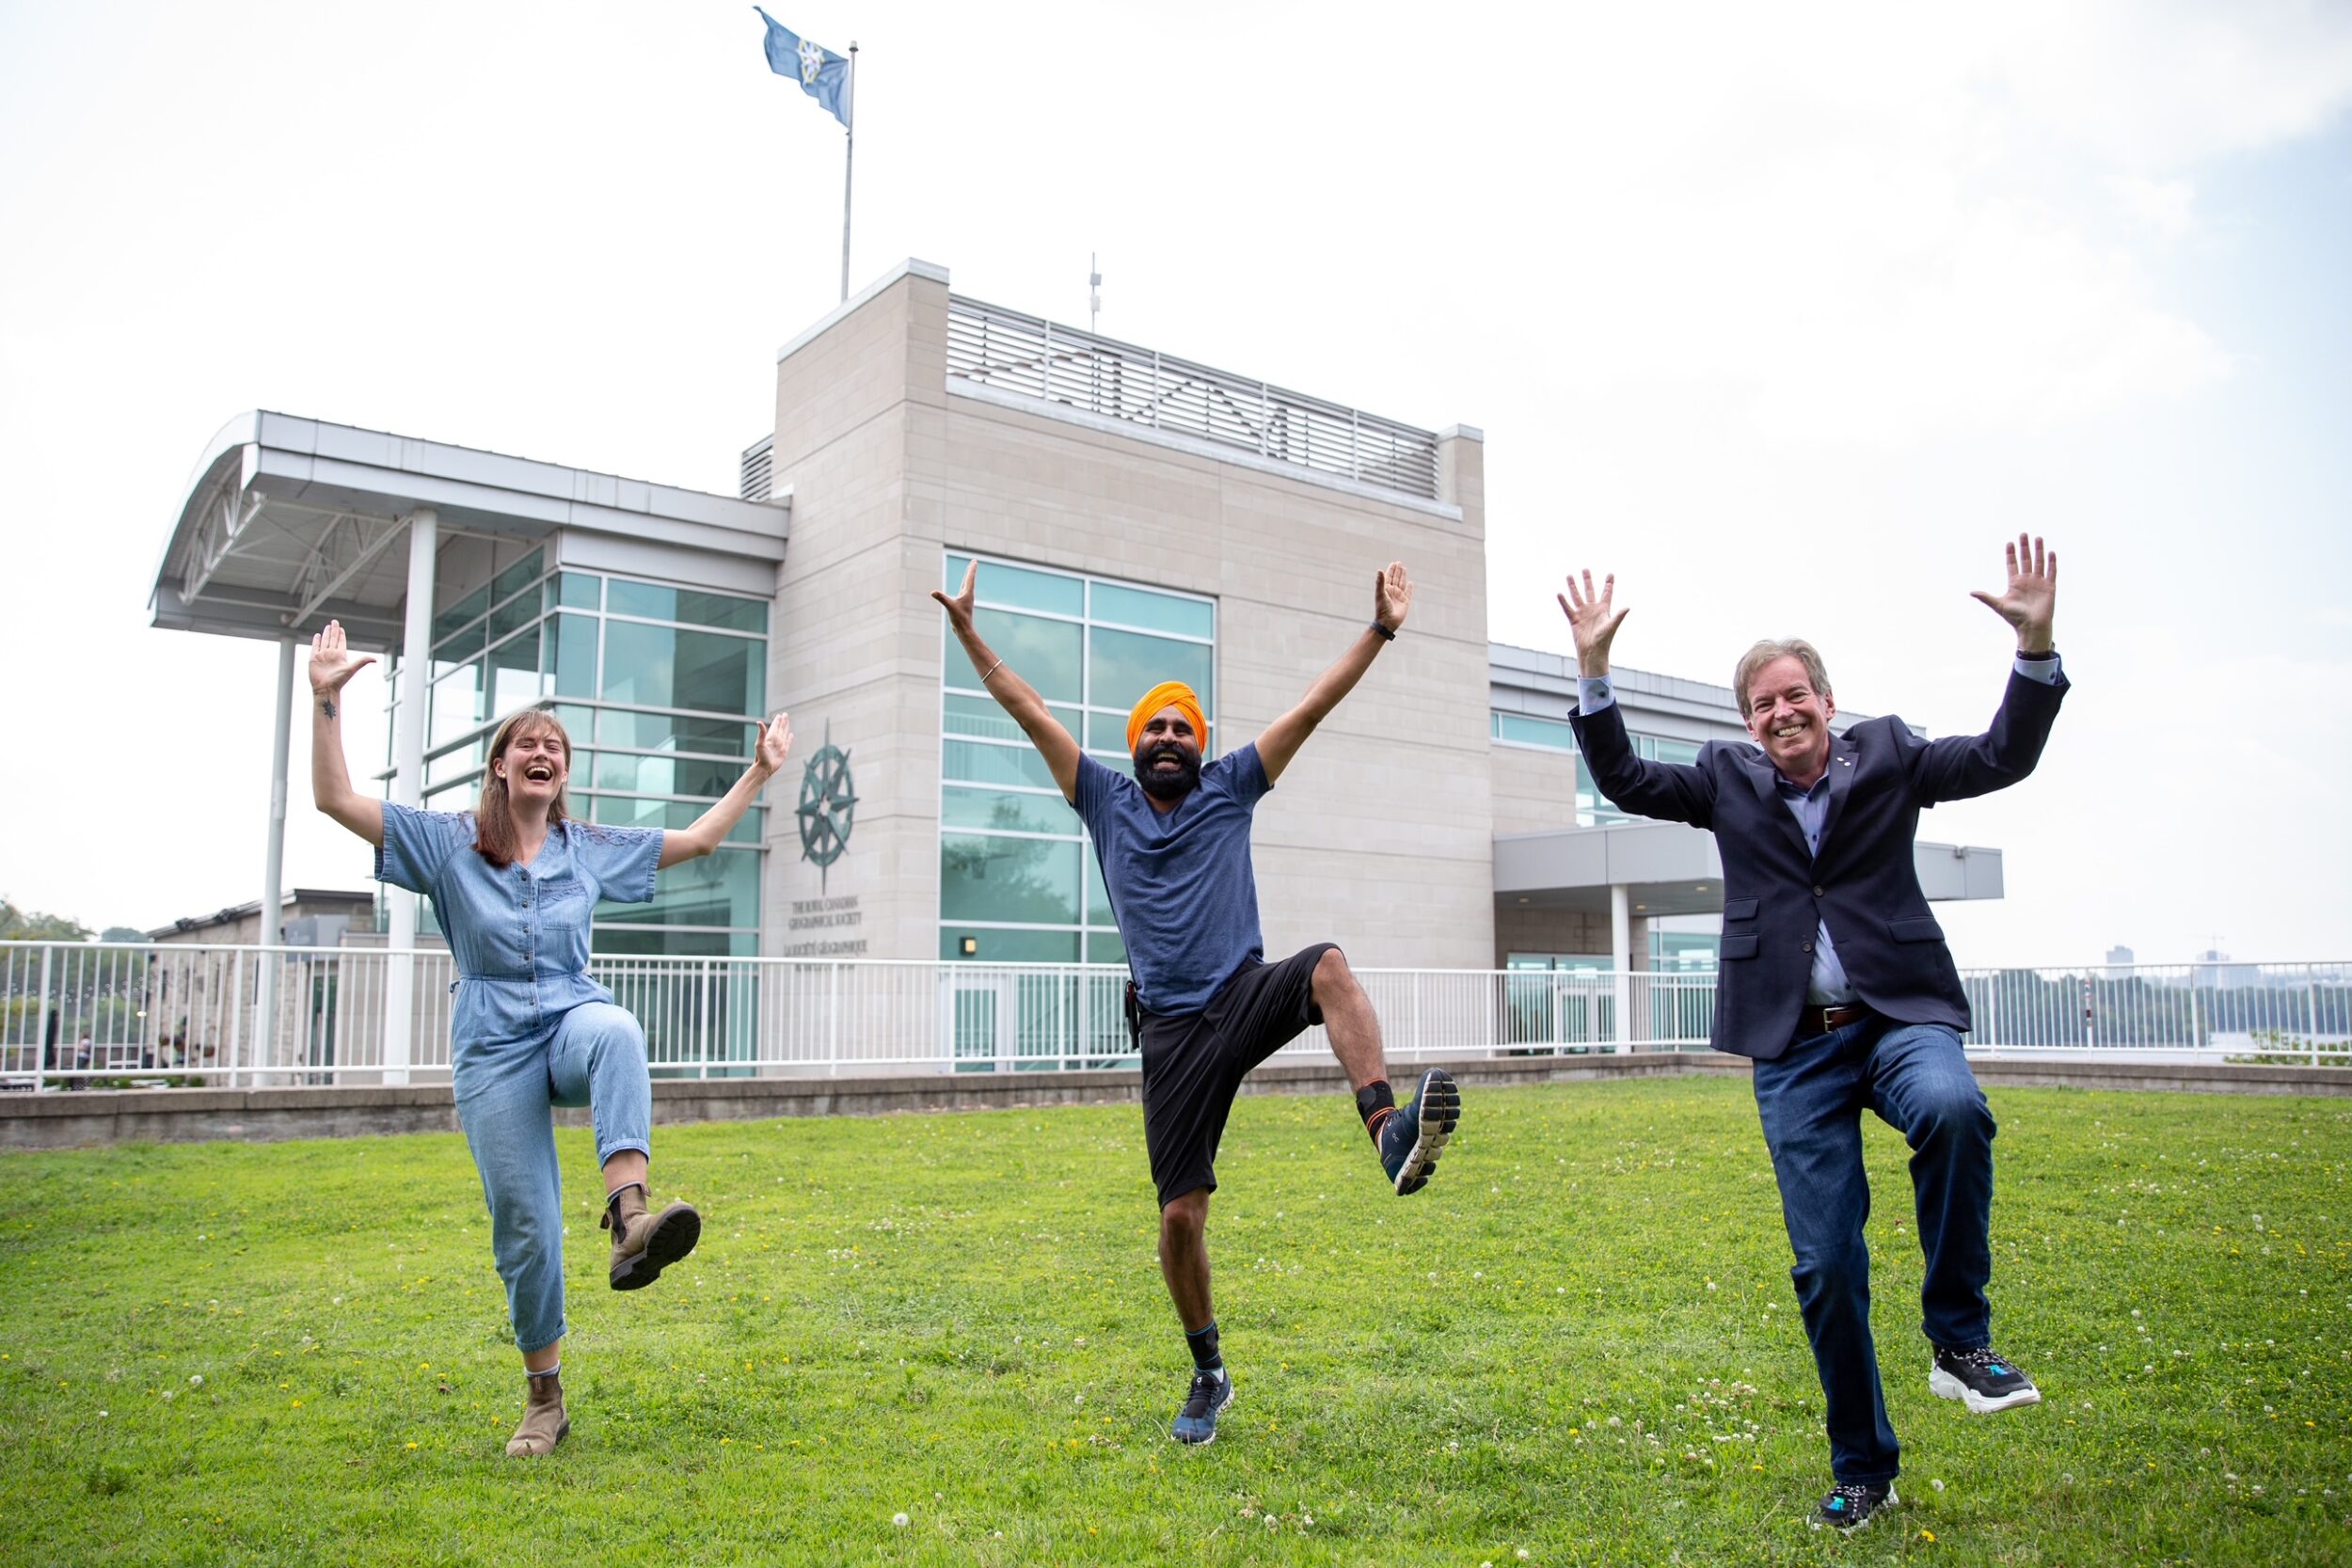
{"x":578,"y":591}
{"x":454,"y":651}
{"x":1105,"y":947}
{"x":1136,"y":607}
{"x":665,"y":667}
{"x":698,"y":608}
{"x":620,"y":941}
{"x":515,"y":673}
{"x":982,"y":716}
{"x":458,"y":796}
{"x":1124,"y":665}
{"x":1044,"y":653}
{"x":512,"y":616}
{"x":1009,"y":947}
{"x":982,"y":876}
{"x":973,"y":763}
{"x":1553,"y":733}
{"x":1098,"y":896}
{"x":455,"y":706}
{"x":1055,"y":593}
{"x":663,"y":732}
{"x":517,"y":577}
{"x":570,"y":654}
{"x":458,"y":764}
{"x":717,"y":890}
{"x":1006,"y":810}
{"x":456,"y":615}
{"x":1663,"y":750}
{"x":666,"y":775}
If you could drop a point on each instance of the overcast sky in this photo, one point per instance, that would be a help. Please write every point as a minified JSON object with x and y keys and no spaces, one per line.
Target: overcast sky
{"x":1787,"y":314}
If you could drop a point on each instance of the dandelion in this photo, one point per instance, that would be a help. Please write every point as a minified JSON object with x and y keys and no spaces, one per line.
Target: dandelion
{"x":899,"y":1520}
{"x":412,"y":1445}
{"x":1937,"y":1484}
{"x":1928,"y":1536}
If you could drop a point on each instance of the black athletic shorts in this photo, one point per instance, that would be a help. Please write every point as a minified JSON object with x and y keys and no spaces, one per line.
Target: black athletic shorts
{"x":1193,"y":1064}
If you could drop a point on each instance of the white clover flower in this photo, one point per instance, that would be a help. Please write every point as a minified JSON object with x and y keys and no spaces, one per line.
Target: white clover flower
{"x":196,"y":1381}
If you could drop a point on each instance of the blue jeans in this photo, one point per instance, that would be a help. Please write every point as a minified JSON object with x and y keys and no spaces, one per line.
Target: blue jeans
{"x":1914,"y":1076}
{"x":595,"y":1056}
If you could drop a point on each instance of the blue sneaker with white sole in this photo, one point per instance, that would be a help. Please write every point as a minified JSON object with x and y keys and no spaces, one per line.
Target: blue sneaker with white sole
{"x":1211,"y":1392}
{"x":1413,"y":1137}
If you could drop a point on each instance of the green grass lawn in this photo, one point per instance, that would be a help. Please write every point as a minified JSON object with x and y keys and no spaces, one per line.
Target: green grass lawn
{"x":1580,"y":1345}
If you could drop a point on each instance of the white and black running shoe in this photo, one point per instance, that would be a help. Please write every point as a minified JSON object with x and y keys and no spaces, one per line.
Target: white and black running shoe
{"x":1982,"y":1379}
{"x":1849,"y":1507}
{"x":1211,"y":1392}
{"x":1413,"y":1139}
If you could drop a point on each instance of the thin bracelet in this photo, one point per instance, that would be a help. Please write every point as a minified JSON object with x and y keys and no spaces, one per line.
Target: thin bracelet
{"x":991,"y":670}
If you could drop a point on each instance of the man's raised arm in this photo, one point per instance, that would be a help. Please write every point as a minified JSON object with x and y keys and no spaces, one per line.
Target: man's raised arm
{"x":1672,"y":792}
{"x":1014,"y":695}
{"x":1391,"y":596}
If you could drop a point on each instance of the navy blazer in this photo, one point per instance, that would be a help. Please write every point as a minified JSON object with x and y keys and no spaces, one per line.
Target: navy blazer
{"x":1865,"y":885}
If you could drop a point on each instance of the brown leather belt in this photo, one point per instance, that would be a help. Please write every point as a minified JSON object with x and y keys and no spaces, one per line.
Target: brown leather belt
{"x":1813,"y":1021}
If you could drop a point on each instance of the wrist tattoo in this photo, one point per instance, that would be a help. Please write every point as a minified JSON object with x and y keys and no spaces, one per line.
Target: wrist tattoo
{"x":327,"y":706}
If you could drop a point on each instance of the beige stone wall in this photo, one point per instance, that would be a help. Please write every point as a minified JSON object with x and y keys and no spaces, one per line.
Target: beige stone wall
{"x":1380,"y":834}
{"x":1534,"y":791}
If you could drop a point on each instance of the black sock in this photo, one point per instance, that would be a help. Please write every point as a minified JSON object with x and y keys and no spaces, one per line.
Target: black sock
{"x":1203,"y":1342}
{"x":1376,"y":1104}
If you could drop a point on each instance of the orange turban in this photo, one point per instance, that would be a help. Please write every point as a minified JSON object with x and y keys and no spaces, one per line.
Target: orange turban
{"x":1174,"y":694}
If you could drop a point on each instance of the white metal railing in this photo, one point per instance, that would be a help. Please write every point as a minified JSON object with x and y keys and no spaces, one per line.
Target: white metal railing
{"x":995,"y":347}
{"x":74,"y":1014}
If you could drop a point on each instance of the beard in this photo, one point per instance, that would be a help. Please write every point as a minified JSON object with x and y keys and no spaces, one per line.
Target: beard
{"x":1168,"y":786}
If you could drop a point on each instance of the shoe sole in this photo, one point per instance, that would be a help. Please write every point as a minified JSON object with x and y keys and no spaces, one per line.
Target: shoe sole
{"x":1227,"y":1403}
{"x":1944,"y":1386}
{"x":1440,"y":1107}
{"x":1863,"y":1523}
{"x":675,"y":1232}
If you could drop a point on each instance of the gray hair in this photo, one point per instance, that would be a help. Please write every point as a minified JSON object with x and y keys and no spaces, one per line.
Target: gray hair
{"x":1769,"y":650}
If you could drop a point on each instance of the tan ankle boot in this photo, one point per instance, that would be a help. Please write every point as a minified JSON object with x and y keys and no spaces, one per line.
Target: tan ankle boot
{"x":643,"y":1244}
{"x":543,"y":1422}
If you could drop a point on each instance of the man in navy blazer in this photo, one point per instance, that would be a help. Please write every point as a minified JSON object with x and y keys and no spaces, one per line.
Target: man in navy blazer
{"x":1836,"y":981}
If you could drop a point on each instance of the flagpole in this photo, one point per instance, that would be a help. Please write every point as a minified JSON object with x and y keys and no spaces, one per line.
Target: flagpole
{"x":848,"y":165}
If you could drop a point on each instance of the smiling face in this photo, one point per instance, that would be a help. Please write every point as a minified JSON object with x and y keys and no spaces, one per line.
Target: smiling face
{"x":533,"y":757}
{"x":1791,"y":720}
{"x":1167,"y":756}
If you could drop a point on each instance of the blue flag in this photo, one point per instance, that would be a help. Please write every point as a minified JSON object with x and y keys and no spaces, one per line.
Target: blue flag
{"x":822,"y":74}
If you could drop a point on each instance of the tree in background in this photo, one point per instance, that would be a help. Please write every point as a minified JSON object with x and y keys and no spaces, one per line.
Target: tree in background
{"x":24,"y":925}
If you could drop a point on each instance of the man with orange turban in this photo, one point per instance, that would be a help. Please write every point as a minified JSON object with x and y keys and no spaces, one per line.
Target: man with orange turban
{"x":1204,"y":1006}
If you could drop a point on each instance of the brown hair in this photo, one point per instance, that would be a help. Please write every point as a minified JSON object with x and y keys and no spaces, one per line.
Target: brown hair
{"x":1769,"y":650}
{"x":494,"y":824}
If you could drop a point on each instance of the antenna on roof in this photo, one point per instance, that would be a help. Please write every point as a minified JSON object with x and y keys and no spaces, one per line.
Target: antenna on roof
{"x":1094,"y":292}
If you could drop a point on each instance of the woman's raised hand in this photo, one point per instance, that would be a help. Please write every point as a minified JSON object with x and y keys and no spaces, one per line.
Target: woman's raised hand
{"x":775,"y":743}
{"x":332,"y":662}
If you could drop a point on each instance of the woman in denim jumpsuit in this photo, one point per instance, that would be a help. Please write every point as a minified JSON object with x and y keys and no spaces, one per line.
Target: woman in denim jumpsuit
{"x":513,"y":885}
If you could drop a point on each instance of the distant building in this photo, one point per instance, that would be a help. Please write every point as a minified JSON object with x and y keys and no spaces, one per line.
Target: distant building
{"x":2120,"y":955}
{"x":314,"y":917}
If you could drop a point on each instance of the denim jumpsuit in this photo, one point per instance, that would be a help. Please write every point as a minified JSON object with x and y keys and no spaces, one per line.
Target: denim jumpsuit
{"x":530,"y":1030}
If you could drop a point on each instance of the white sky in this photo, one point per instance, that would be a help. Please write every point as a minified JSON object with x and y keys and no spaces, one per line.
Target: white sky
{"x":1787,"y":318}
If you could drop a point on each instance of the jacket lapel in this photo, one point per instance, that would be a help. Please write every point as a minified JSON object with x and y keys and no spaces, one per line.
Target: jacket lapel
{"x":1765,"y":780}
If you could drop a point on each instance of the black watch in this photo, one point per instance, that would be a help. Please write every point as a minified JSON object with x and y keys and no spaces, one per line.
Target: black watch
{"x":1385,"y":635}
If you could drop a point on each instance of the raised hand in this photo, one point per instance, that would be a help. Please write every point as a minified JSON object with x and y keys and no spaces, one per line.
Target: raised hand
{"x":775,"y":744}
{"x":2030,"y":604}
{"x":1592,"y":621}
{"x":959,"y":607}
{"x":1392,"y":594}
{"x":332,"y":662}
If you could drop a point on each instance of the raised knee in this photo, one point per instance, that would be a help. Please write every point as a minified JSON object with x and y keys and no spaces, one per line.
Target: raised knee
{"x":1830,"y":1275}
{"x":1331,"y":971}
{"x":1957,"y":1112}
{"x":1186,"y":1218}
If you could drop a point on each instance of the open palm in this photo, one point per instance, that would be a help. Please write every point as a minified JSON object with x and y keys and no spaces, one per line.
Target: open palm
{"x":332,"y":662}
{"x":2030,"y":603}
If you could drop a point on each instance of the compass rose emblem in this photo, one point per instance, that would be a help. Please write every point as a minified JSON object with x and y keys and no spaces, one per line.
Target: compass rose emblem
{"x":828,"y":805}
{"x":812,"y":62}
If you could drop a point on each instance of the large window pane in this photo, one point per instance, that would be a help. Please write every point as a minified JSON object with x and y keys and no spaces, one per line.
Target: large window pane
{"x":1135,"y":607}
{"x":986,"y":877}
{"x":620,"y":941}
{"x":571,"y":652}
{"x":1098,"y":896}
{"x":517,"y":577}
{"x":1535,"y":732}
{"x":455,"y":706}
{"x":662,"y":731}
{"x":972,"y":763}
{"x":1105,"y":947}
{"x":661,"y":667}
{"x":666,"y":775}
{"x":579,"y":591}
{"x":453,"y":651}
{"x":718,"y":890}
{"x":1006,"y":810}
{"x":515,"y":673}
{"x":454,"y":764}
{"x":622,"y":812}
{"x":512,"y":616}
{"x":982,"y":716}
{"x":1000,"y":584}
{"x":1044,"y":653}
{"x":1009,"y":947}
{"x":459,"y":614}
{"x":698,"y":608}
{"x":1127,"y":664}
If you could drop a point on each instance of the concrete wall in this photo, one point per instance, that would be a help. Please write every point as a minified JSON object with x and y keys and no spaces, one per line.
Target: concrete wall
{"x":1380,"y":834}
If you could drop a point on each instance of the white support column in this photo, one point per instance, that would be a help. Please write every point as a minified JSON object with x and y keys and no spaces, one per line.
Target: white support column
{"x":416,"y":651}
{"x":1621,"y":961}
{"x":273,"y":862}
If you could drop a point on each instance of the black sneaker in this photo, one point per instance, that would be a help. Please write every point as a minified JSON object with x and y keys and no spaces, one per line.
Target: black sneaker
{"x":1983,"y":1379}
{"x":1849,"y":1507}
{"x":1212,"y":1391}
{"x":1413,"y":1139}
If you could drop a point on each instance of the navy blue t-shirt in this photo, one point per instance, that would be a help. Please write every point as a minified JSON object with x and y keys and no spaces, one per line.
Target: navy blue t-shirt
{"x":1180,"y":884}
